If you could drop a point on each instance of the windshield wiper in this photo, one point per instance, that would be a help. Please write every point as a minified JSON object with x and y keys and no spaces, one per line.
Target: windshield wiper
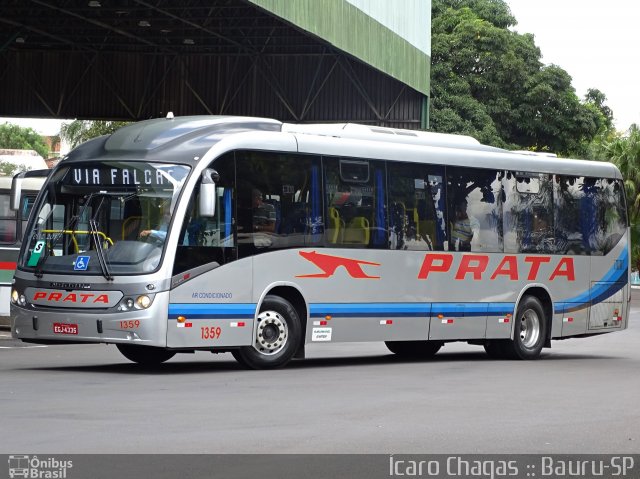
{"x":93,"y":227}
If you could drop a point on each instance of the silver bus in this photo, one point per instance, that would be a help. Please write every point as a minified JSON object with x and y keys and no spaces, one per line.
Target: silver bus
{"x":250,"y":236}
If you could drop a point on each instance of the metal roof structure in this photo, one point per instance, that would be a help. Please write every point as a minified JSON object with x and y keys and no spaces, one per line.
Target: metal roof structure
{"x":302,"y":61}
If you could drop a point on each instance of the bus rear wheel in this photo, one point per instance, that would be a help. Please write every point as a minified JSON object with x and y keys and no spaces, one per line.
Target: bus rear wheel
{"x":147,"y":355}
{"x":530,"y":330}
{"x":414,"y":349}
{"x":277,"y":336}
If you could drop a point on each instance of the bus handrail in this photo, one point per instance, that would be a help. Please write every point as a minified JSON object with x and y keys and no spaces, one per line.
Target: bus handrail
{"x":80,"y":232}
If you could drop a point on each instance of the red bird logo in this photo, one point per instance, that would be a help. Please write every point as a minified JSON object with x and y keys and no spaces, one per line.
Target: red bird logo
{"x":329,"y":264}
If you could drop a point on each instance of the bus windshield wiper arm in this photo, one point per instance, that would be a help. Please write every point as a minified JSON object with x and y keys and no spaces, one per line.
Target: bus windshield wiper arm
{"x":99,"y":250}
{"x":93,"y":227}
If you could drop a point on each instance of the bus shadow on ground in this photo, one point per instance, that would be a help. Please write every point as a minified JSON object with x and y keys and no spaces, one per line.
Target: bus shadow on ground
{"x":230,"y":365}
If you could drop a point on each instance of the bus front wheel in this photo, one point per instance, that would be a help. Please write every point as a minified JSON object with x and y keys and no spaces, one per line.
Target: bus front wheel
{"x":530,"y":330}
{"x":414,"y":349}
{"x":277,"y":336}
{"x":147,"y":355}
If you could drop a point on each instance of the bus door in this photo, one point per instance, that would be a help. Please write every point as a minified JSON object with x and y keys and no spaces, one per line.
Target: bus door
{"x":458,"y":321}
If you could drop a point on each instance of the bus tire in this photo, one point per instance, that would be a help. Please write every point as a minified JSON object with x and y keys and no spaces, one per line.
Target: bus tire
{"x":277,"y":336}
{"x":147,"y":355}
{"x":414,"y":349}
{"x":530,"y":330}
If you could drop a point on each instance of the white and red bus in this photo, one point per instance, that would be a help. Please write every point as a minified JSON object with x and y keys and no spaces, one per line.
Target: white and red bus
{"x":249,"y":236}
{"x":13,"y":222}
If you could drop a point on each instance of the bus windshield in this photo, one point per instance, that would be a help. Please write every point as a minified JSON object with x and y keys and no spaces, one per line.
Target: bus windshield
{"x":107,"y":219}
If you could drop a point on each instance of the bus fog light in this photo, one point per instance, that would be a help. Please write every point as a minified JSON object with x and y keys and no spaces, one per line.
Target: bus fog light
{"x":129,"y":303}
{"x":143,"y":301}
{"x":14,"y":296}
{"x":22,"y":301}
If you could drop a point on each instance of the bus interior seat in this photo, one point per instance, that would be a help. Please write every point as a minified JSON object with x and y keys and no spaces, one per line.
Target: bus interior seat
{"x":335,"y":226}
{"x":357,"y":231}
{"x":425,"y":229}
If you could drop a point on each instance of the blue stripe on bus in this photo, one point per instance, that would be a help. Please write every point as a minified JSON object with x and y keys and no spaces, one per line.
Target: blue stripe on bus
{"x":408,"y":309}
{"x":613,"y":281}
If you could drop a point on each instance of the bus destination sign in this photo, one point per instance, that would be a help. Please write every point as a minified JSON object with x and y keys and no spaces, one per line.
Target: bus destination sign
{"x":112,"y":176}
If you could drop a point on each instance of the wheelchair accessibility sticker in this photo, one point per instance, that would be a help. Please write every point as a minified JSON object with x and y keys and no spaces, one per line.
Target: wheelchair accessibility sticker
{"x":81,"y":263}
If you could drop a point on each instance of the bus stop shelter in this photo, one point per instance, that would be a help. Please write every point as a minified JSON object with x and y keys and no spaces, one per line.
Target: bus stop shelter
{"x":299,"y":61}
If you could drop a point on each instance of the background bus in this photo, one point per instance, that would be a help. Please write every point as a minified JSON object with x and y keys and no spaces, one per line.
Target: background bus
{"x":12,"y":227}
{"x":284,"y":235}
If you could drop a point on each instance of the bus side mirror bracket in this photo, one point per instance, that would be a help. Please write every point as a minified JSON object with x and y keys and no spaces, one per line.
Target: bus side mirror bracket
{"x":207,"y":203}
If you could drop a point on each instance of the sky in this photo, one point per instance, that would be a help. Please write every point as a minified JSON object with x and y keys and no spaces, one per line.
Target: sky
{"x":597,"y":42}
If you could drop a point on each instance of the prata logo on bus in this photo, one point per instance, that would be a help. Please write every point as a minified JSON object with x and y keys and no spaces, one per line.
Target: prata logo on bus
{"x":71,"y":299}
{"x":74,"y":298}
{"x":469,"y":266}
{"x":476,"y":265}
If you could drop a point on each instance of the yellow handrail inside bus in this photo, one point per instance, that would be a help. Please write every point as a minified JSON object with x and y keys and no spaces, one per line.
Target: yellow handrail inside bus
{"x":79,"y":232}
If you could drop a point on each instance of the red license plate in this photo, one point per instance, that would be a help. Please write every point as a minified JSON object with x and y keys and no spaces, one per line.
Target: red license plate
{"x":62,"y":328}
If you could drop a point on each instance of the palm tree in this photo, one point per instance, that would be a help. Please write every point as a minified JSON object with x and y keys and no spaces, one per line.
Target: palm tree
{"x":625,"y":153}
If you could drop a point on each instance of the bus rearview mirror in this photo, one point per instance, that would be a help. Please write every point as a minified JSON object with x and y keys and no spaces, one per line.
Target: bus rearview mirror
{"x":207,"y":201}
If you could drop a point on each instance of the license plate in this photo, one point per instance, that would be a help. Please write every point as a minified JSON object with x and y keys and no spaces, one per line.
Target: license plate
{"x":63,"y":328}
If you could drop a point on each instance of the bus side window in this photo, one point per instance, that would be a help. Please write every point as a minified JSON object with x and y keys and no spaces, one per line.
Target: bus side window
{"x":528,"y":213}
{"x":355,"y":203}
{"x":574,"y":214}
{"x":416,"y":204}
{"x":610,"y":218}
{"x":8,"y":221}
{"x":206,"y":240}
{"x":475,"y":209}
{"x":279,"y":201}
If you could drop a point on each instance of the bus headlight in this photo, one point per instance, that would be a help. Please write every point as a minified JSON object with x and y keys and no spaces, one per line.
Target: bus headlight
{"x":17,"y":298}
{"x":143,"y":301}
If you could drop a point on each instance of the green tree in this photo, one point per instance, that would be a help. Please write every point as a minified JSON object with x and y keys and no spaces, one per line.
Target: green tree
{"x":595,"y":99}
{"x":624,"y":152}
{"x":488,"y":81}
{"x":79,"y":131}
{"x":19,"y":138}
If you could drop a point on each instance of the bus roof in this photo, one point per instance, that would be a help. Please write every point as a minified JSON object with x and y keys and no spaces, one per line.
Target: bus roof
{"x":187,"y":139}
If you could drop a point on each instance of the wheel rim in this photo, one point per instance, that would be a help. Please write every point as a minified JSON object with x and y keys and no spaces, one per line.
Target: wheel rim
{"x":529,"y":329}
{"x":271,"y":334}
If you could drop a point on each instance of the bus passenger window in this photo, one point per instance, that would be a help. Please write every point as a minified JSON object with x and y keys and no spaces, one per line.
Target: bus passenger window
{"x":574,"y":214}
{"x":416,"y":203}
{"x":610,"y":218}
{"x":7,"y":221}
{"x":475,"y":209}
{"x":528,"y":213}
{"x":279,"y":201}
{"x":355,"y":203}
